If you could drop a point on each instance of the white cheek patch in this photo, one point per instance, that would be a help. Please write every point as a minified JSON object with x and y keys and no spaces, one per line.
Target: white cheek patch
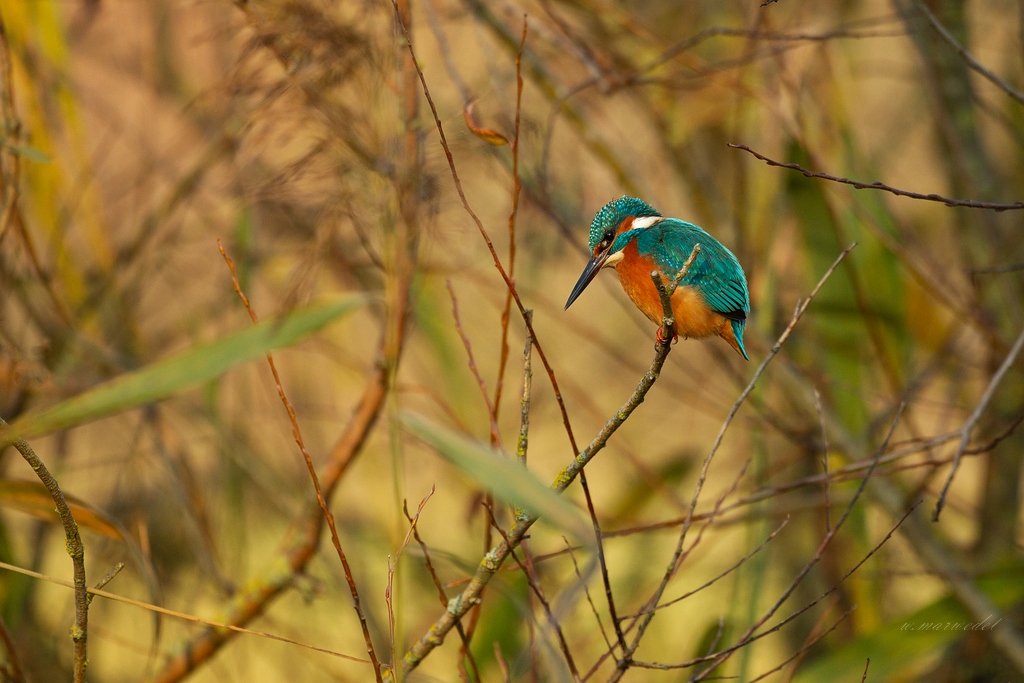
{"x":613,"y":259}
{"x":646,"y":222}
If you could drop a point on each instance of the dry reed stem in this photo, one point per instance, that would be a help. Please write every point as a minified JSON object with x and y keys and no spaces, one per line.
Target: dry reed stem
{"x":178,"y":615}
{"x":492,"y":409}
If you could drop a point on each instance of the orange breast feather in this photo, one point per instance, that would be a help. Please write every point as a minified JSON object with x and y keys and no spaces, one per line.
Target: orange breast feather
{"x":693,"y":316}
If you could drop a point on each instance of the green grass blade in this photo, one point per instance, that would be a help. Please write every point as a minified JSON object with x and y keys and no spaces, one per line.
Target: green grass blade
{"x":181,"y":371}
{"x":507,"y":479}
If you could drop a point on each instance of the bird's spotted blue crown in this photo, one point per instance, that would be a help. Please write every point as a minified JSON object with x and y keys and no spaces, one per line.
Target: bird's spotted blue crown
{"x":616,"y":211}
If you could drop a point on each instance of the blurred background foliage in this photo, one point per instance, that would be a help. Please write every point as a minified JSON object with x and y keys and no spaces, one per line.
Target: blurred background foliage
{"x":137,"y":133}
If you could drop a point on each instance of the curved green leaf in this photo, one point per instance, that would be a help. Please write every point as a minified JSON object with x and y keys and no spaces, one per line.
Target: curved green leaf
{"x":506,"y":478}
{"x":181,"y":371}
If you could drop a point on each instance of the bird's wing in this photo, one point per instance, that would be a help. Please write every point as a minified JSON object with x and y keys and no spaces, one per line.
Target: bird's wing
{"x":715,"y":271}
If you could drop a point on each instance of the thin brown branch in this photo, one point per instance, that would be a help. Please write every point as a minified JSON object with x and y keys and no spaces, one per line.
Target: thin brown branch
{"x":74,"y":547}
{"x":972,"y":421}
{"x":534,"y":582}
{"x":932,"y":197}
{"x":483,"y":233}
{"x":388,"y":591}
{"x":721,"y":575}
{"x":516,"y":187}
{"x":491,"y":408}
{"x":751,"y":634}
{"x":586,"y":592}
{"x":320,"y":498}
{"x":966,"y":56}
{"x":805,"y":647}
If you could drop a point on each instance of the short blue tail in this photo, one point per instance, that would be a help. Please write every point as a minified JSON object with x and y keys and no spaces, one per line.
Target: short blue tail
{"x":737,"y":330}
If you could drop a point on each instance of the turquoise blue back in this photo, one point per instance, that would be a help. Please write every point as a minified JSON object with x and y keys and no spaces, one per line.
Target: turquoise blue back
{"x":715,"y":273}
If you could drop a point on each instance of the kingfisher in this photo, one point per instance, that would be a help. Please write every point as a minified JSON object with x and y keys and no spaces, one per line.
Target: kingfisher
{"x":629,"y":235}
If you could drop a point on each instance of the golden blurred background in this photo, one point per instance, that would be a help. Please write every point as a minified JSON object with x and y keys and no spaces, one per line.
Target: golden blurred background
{"x":138,"y":133}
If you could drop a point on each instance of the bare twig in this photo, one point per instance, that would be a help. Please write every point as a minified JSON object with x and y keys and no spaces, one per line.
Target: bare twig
{"x":74,"y":547}
{"x":108,"y":577}
{"x":320,"y":498}
{"x":721,"y":575}
{"x":388,"y":591}
{"x":966,"y":56}
{"x":806,"y":646}
{"x":516,"y":187}
{"x":972,"y":421}
{"x":491,"y":408}
{"x":586,"y":592}
{"x":969,"y":203}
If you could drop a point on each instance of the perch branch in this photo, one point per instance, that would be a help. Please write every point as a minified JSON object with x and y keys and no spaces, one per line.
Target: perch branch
{"x":493,"y":560}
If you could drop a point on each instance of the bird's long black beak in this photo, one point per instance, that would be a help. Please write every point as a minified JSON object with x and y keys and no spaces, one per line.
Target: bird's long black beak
{"x":589,"y":273}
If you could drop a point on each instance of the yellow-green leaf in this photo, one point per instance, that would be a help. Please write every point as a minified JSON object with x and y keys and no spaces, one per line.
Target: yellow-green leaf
{"x":32,"y":498}
{"x":181,"y":371}
{"x":507,"y":479}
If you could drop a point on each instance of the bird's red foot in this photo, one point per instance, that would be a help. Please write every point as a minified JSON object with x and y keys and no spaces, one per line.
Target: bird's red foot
{"x":660,"y":339}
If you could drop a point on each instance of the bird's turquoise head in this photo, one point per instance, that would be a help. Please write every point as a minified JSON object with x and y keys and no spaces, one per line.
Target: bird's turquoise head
{"x":611,"y":216}
{"x":613,"y":219}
